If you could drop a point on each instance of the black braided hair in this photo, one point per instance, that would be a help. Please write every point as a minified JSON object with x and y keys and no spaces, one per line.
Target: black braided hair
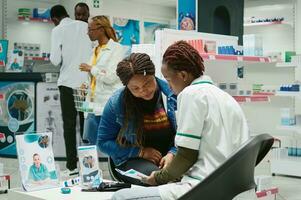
{"x":181,"y":56}
{"x":136,"y":63}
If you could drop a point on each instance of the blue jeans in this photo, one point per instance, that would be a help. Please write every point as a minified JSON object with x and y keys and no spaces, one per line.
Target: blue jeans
{"x":91,"y":128}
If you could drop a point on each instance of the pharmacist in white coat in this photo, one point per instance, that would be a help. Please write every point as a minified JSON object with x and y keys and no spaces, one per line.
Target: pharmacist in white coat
{"x":70,"y":46}
{"x":211,"y":125}
{"x":103,"y":80}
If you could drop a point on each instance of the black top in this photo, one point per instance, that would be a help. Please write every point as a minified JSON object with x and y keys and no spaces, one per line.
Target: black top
{"x":157,"y":130}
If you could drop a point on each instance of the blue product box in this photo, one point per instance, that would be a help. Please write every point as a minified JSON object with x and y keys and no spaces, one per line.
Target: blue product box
{"x":43,"y":13}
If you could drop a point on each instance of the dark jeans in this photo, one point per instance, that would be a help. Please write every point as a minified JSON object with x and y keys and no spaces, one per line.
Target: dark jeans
{"x":69,"y":114}
{"x":139,"y":164}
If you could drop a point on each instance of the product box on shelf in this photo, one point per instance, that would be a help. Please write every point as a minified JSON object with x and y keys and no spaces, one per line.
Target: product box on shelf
{"x":43,"y":13}
{"x":253,"y":45}
{"x":287,"y":116}
{"x":288,"y":55}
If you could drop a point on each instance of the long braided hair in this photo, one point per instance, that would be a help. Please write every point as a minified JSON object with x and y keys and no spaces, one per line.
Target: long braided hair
{"x":104,"y":22}
{"x":181,"y":56}
{"x":136,"y":63}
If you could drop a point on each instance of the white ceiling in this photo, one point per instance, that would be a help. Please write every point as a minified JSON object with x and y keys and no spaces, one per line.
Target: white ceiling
{"x":166,"y":3}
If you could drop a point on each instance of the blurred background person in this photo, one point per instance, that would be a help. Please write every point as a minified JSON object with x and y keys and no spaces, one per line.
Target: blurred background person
{"x":81,"y":12}
{"x":101,"y":69}
{"x":70,"y":46}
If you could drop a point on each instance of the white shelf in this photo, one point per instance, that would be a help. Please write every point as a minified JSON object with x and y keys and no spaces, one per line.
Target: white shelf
{"x":281,"y":163}
{"x":289,"y":166}
{"x":236,"y":58}
{"x":288,"y":64}
{"x":253,"y":98}
{"x":266,"y":24}
{"x":296,"y":129}
{"x":288,"y":94}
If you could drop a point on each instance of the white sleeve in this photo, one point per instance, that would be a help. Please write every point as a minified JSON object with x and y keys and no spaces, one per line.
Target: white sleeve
{"x":56,"y":48}
{"x":192,"y":110}
{"x":108,"y":74}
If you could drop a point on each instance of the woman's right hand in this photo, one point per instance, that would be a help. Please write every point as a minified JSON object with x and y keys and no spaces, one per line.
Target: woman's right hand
{"x":85,"y":67}
{"x":151,"y":154}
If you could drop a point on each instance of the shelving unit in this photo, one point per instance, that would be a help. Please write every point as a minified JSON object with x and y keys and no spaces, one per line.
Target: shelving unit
{"x":32,"y":19}
{"x":288,"y":64}
{"x":288,"y":94}
{"x":236,"y":58}
{"x":281,"y":163}
{"x":295,"y":129}
{"x":36,"y":58}
{"x":253,"y":98}
{"x":266,"y":23}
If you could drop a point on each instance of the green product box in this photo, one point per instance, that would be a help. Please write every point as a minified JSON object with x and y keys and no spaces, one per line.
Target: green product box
{"x":288,"y":55}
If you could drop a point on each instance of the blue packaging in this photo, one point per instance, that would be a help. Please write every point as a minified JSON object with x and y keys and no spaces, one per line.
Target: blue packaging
{"x":299,"y":152}
{"x":43,"y":13}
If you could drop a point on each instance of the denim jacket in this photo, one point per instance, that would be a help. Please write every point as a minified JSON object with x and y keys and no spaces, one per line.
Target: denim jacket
{"x":112,"y":120}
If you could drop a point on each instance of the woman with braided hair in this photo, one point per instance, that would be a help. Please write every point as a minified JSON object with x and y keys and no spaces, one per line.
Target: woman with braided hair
{"x":102,"y":79}
{"x":138,"y":124}
{"x":210,"y":126}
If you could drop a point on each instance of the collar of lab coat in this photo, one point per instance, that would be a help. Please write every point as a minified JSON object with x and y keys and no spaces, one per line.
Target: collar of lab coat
{"x":66,"y":20}
{"x":201,"y":80}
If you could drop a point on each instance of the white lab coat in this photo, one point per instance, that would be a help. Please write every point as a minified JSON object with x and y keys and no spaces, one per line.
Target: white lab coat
{"x":70,"y":46}
{"x":104,"y":71}
{"x":211,"y":121}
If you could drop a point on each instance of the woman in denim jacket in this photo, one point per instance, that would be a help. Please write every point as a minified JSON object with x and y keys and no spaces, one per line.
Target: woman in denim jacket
{"x":137,"y":128}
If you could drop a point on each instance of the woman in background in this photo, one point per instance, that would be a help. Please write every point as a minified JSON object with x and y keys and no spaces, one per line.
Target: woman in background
{"x":102,"y":71}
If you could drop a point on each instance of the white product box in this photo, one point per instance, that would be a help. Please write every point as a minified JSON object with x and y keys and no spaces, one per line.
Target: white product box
{"x":287,"y":116}
{"x":253,"y":45}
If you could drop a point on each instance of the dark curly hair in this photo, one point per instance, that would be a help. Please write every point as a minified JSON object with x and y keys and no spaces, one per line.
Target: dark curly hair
{"x":136,"y":63}
{"x":181,"y":56}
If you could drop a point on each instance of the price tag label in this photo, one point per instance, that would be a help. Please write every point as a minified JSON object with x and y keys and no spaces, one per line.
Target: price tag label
{"x":239,"y":58}
{"x":211,"y":57}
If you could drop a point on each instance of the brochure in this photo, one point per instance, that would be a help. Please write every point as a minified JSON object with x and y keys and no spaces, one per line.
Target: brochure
{"x":89,"y":169}
{"x":36,"y":161}
{"x":131,"y":173}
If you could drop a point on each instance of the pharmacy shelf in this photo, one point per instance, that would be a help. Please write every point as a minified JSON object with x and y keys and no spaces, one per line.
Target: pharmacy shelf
{"x":236,"y":58}
{"x":36,"y":58}
{"x":32,"y":19}
{"x":288,"y":94}
{"x":286,"y":64}
{"x":287,"y":166}
{"x":296,"y":129}
{"x":253,"y":98}
{"x":266,"y":23}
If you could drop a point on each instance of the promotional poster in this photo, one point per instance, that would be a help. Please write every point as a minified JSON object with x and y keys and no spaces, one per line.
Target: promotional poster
{"x":89,"y":169}
{"x":127,"y":31}
{"x":150,"y":29}
{"x":49,"y":115}
{"x":3,"y":52}
{"x":36,"y":161}
{"x":16,"y":61}
{"x":17,"y":112}
{"x":187,"y":15}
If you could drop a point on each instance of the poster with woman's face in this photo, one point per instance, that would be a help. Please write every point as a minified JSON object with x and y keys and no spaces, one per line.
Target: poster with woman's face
{"x":36,"y":161}
{"x":89,"y":169}
{"x":186,"y":16}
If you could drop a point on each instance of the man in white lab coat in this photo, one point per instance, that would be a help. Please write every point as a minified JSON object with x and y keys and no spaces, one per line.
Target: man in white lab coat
{"x":70,"y":46}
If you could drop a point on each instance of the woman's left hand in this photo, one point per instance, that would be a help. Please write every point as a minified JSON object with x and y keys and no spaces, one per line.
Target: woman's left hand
{"x":166,"y":160}
{"x":150,"y":180}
